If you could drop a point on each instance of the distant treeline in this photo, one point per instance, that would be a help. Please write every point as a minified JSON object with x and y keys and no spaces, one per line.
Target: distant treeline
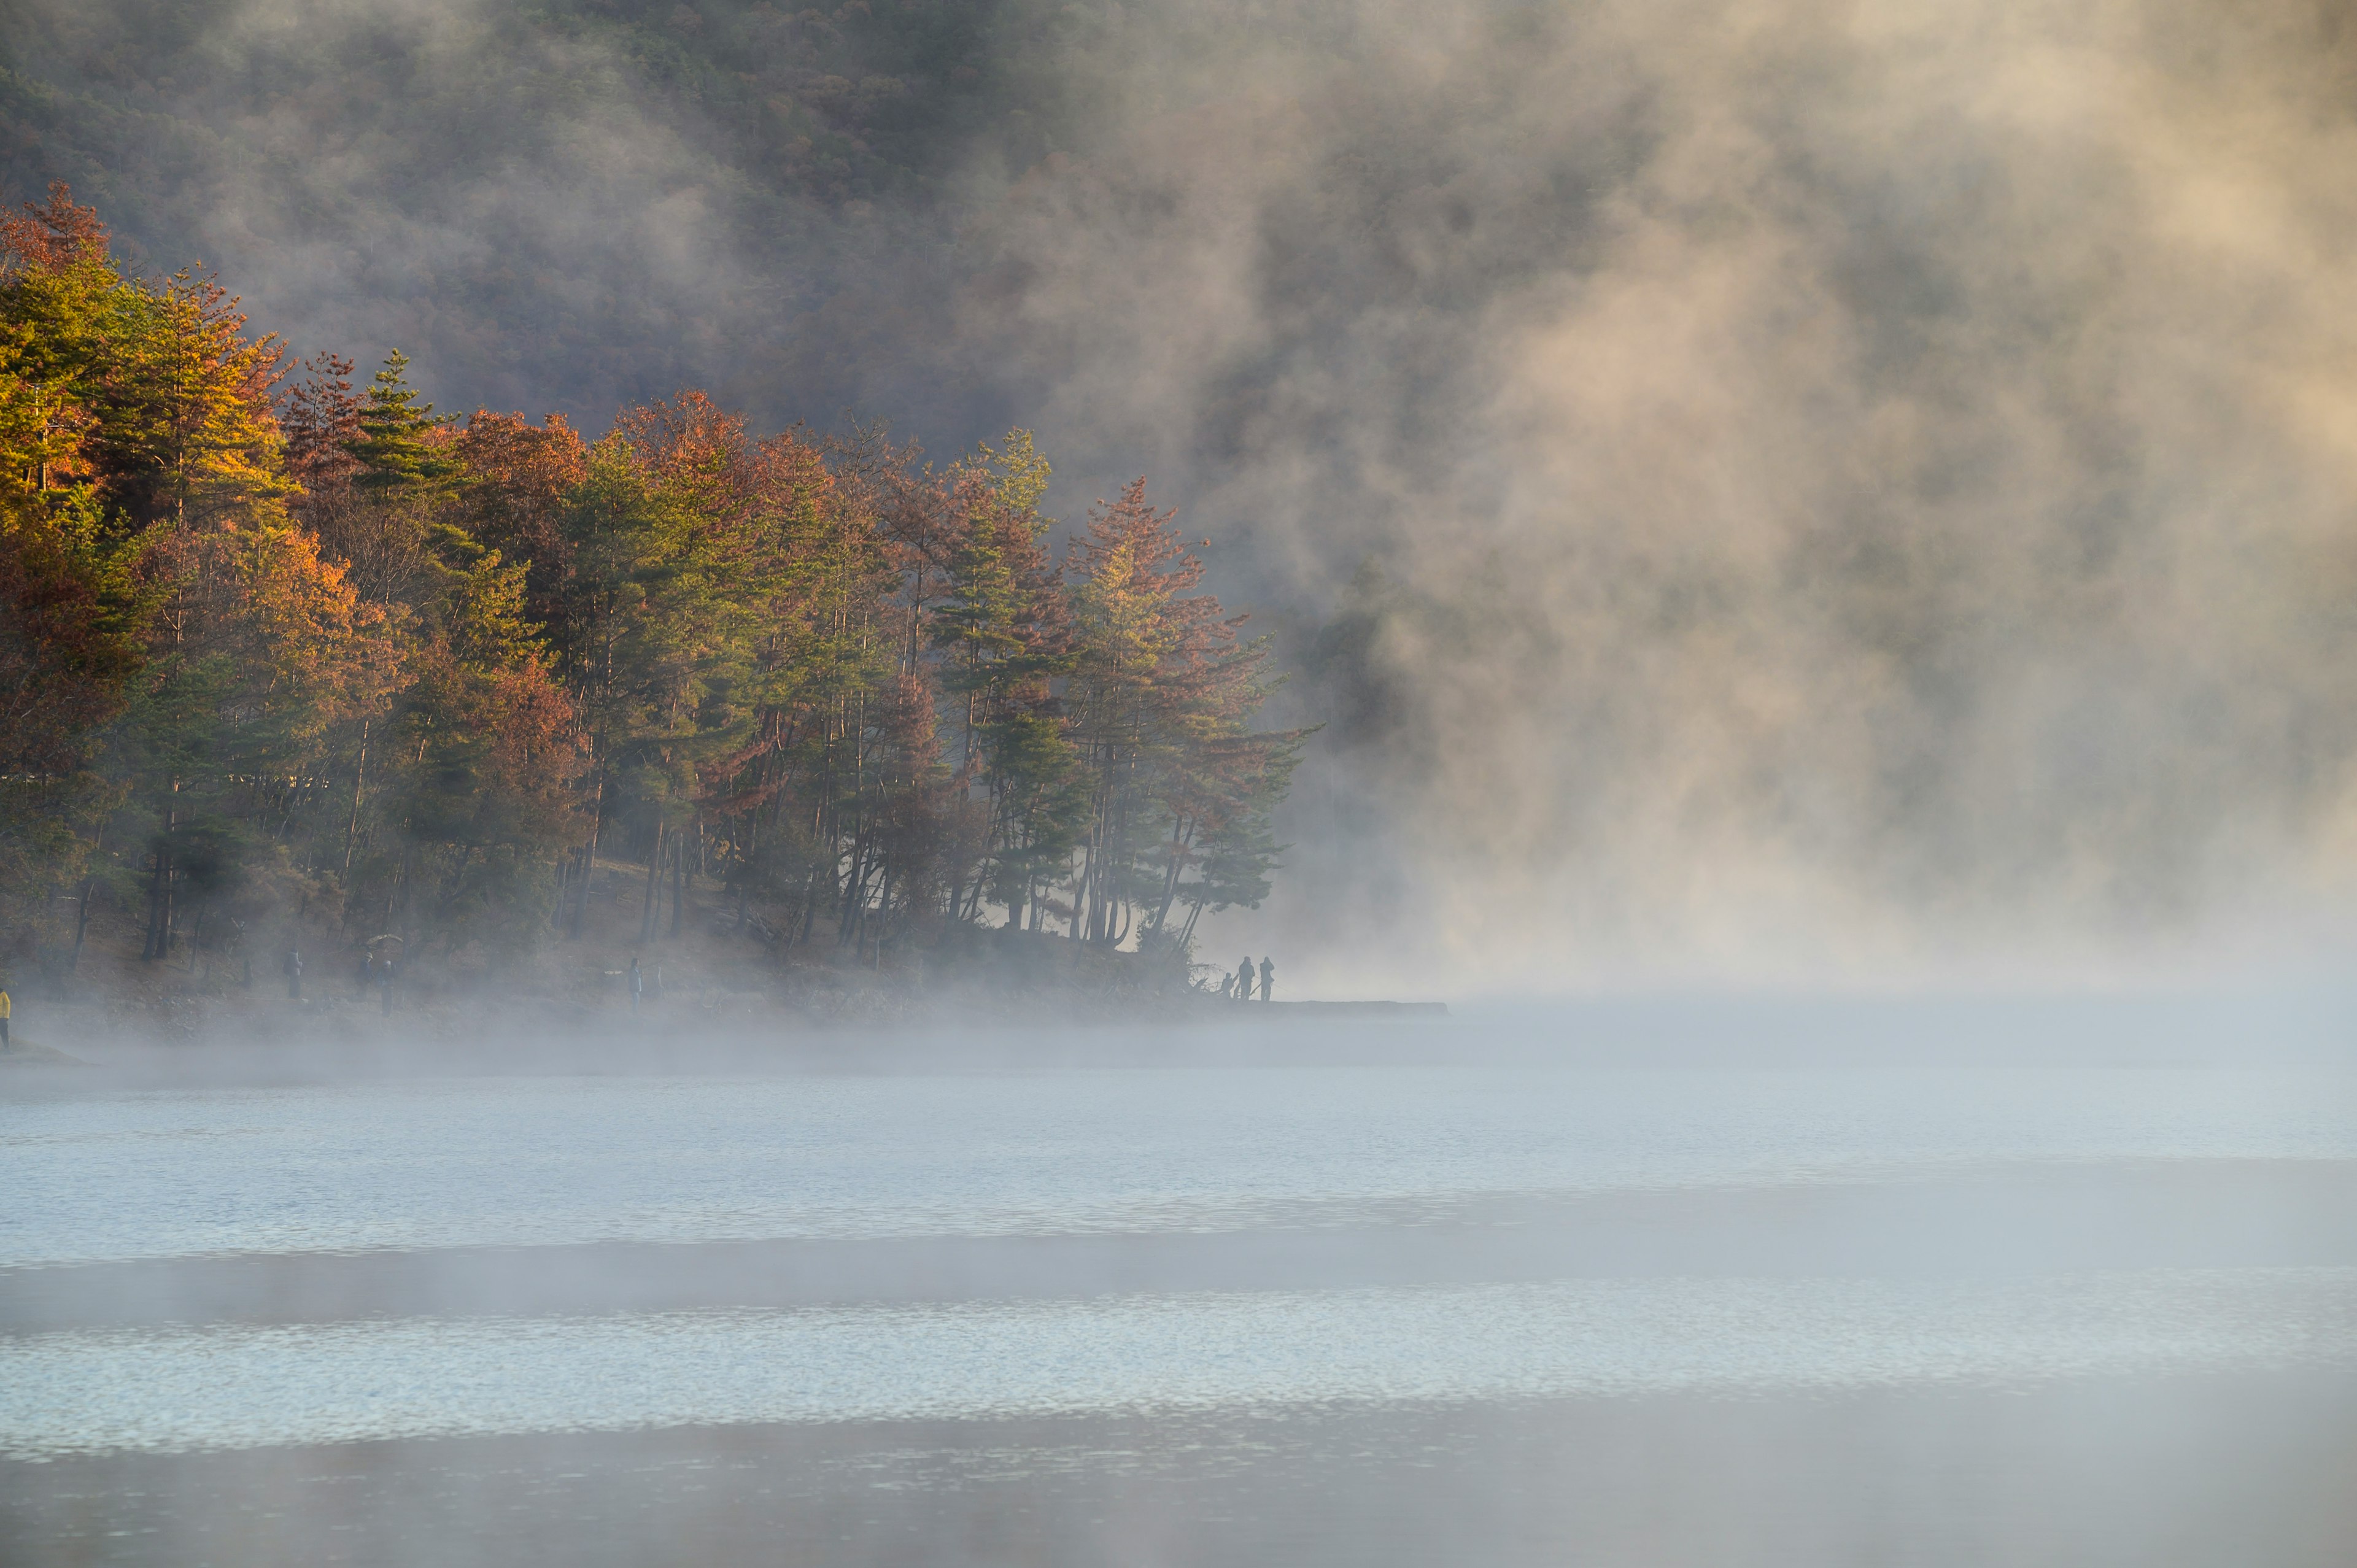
{"x":269,"y":637}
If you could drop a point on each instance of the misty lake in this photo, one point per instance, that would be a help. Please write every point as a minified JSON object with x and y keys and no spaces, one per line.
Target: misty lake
{"x":1334,"y":1314}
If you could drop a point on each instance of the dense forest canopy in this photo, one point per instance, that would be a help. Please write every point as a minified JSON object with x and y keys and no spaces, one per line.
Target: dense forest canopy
{"x":271,"y":634}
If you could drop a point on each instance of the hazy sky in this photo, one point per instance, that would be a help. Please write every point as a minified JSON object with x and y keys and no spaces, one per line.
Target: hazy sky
{"x":1862,"y":490}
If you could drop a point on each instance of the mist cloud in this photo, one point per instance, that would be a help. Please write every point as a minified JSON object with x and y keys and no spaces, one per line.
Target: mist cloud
{"x":1859,"y":484}
{"x":1846,"y":487}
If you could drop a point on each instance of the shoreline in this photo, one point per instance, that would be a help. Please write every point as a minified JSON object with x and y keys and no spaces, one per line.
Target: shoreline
{"x":87,"y":1043}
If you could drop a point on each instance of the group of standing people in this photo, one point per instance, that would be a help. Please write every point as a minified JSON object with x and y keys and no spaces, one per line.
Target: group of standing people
{"x":1238,"y":987}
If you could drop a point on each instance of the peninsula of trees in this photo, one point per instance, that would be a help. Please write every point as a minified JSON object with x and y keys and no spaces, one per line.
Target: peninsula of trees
{"x":277,"y":642}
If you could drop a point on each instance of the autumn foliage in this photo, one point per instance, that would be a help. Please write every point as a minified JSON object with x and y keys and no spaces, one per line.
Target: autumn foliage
{"x":271,"y":638}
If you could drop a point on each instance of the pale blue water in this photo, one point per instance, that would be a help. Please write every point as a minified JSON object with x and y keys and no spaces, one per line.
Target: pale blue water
{"x":398,"y":1175}
{"x":552,"y":1161}
{"x":175,"y":1390}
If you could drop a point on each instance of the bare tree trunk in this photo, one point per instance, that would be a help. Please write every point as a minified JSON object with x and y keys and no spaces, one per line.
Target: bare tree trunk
{"x":655,"y":872}
{"x":159,"y":894}
{"x":883,"y":907}
{"x":81,"y":922}
{"x":352,"y":828}
{"x":88,"y":885}
{"x":1080,"y":889}
{"x":747,"y":856}
{"x":1179,"y":844}
{"x":855,"y":891}
{"x":679,"y":880}
{"x":147,"y":950}
{"x":806,"y":919}
{"x":589,"y":861}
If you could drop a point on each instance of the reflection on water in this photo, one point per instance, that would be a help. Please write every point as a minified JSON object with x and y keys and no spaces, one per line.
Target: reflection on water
{"x":168,"y":1390}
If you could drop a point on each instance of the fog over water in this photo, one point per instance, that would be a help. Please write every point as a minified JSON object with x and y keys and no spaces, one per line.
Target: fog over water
{"x":1857,"y":491}
{"x":1766,"y":500}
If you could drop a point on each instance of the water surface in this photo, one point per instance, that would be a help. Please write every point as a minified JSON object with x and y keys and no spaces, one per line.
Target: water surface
{"x":1047,"y":1284}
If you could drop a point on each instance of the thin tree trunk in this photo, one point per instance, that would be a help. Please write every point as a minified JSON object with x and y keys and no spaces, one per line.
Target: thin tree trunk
{"x":747,"y":856}
{"x":352,"y":828}
{"x":1080,"y":889}
{"x":88,"y":885}
{"x":854,"y":890}
{"x":808,"y":922}
{"x":883,"y":905}
{"x":1178,"y":847}
{"x":81,"y":921}
{"x":655,"y":872}
{"x":679,"y":880}
{"x":589,"y":861}
{"x":160,"y":893}
{"x":155,"y":903}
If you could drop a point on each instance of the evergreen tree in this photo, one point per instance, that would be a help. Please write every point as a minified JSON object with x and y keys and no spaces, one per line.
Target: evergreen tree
{"x":394,"y":441}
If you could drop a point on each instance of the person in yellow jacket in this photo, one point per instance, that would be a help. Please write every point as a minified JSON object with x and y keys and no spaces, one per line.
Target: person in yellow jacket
{"x":4,"y":1020}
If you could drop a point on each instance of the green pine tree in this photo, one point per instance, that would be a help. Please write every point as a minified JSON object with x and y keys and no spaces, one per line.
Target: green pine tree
{"x":395,"y":447}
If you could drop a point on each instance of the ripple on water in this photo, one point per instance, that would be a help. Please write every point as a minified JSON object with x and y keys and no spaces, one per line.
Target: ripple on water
{"x":556,"y":1161}
{"x":174,"y":1389}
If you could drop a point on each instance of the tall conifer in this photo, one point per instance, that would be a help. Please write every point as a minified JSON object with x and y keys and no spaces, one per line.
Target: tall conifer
{"x":393,"y":442}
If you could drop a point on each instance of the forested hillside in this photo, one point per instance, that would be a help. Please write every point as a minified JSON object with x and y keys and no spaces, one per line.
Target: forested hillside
{"x":278,"y":636}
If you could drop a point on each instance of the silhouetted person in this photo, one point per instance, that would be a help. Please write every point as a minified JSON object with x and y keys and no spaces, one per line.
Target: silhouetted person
{"x":1267,"y":979}
{"x":637,"y":985}
{"x":1244,"y":978}
{"x":1227,"y":985}
{"x":385,"y":986}
{"x":294,"y":967}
